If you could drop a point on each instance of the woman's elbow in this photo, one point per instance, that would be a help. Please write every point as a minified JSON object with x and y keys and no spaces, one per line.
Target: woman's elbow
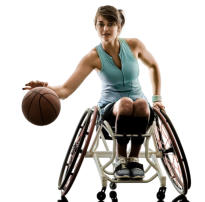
{"x":154,"y":67}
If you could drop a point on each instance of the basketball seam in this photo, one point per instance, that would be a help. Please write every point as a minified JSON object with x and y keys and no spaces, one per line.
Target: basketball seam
{"x":28,"y":96}
{"x":50,"y":104}
{"x":42,"y":119}
{"x":31,"y":104}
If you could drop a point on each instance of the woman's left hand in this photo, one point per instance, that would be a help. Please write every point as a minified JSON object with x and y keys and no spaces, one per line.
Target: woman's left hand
{"x":159,"y":105}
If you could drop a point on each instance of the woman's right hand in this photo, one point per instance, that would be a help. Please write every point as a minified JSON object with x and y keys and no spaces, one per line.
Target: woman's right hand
{"x":34,"y":84}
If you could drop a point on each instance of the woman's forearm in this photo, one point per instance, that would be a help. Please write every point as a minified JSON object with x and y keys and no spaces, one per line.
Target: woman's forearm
{"x":156,"y":80}
{"x":61,"y":91}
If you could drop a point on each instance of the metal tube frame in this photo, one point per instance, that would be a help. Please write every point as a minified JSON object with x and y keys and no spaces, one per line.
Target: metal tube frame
{"x":150,"y":155}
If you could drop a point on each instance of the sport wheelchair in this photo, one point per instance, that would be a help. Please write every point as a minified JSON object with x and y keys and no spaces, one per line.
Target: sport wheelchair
{"x":165,"y":145}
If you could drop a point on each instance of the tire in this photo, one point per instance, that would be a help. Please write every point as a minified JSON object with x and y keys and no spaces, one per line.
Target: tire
{"x":77,"y":150}
{"x":180,"y":147}
{"x":172,"y":152}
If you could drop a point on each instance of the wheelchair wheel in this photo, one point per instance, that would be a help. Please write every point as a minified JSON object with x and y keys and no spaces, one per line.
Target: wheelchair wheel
{"x":173,"y":157}
{"x":77,"y":150}
{"x":181,"y":148}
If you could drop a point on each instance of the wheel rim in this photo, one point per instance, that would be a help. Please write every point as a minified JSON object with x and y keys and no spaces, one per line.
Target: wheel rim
{"x":180,"y":147}
{"x":79,"y":150}
{"x":65,"y":170}
{"x":171,"y":159}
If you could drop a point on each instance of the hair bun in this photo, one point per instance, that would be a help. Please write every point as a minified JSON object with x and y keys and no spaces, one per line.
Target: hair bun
{"x":122,"y":17}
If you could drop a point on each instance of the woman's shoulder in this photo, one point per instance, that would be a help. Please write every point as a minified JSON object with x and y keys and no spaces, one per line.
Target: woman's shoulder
{"x":92,"y":58}
{"x":133,"y":42}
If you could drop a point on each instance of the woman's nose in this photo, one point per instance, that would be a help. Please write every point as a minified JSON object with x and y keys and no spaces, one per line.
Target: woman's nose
{"x":106,"y":28}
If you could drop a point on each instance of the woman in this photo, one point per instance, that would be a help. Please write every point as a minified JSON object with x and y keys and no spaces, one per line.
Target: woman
{"x":122,"y":101}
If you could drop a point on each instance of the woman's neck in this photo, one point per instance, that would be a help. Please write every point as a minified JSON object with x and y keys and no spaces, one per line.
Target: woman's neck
{"x":112,"y":48}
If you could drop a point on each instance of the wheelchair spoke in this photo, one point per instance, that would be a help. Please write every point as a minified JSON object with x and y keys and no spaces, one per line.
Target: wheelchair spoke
{"x":77,"y":150}
{"x":172,"y":157}
{"x":174,"y":169}
{"x":164,"y":135}
{"x":173,"y":174}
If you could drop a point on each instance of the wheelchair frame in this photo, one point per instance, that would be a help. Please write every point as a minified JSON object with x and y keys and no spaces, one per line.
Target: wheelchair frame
{"x":104,"y":174}
{"x":163,"y":148}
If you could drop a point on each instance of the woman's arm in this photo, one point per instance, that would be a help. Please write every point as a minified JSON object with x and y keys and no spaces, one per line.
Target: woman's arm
{"x":151,"y":63}
{"x":141,"y":52}
{"x":83,"y":69}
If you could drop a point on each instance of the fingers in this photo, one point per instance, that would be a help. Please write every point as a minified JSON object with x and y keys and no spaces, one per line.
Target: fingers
{"x":45,"y":84}
{"x":33,"y":84}
{"x":162,"y":106}
{"x":25,"y":88}
{"x":159,"y":105}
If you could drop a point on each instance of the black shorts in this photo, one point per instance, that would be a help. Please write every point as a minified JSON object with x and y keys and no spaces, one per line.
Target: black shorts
{"x":140,"y":128}
{"x":110,"y":117}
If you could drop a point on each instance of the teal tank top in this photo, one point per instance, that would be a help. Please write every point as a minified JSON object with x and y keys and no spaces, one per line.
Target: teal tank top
{"x":118,"y":83}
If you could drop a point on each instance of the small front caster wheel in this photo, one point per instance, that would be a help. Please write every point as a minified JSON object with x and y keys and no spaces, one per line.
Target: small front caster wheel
{"x":161,"y":193}
{"x":113,"y":185}
{"x":160,"y":196}
{"x":101,"y":195}
{"x":113,"y":195}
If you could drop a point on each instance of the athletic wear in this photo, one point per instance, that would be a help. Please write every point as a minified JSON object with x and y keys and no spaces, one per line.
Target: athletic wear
{"x":118,"y":83}
{"x":121,"y":170}
{"x":131,"y":127}
{"x":136,"y":168}
{"x":128,"y":168}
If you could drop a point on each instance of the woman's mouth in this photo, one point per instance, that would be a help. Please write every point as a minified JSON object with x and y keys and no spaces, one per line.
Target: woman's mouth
{"x":106,"y":34}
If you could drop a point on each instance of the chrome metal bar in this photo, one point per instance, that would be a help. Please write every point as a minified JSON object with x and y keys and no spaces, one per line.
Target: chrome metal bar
{"x":105,"y":154}
{"x":95,"y":141}
{"x":162,"y":178}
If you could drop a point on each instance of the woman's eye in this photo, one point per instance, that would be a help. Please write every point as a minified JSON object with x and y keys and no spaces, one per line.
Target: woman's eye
{"x":101,"y":25}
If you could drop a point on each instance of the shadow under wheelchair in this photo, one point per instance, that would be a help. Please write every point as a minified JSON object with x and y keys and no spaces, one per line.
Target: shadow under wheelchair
{"x":161,"y":142}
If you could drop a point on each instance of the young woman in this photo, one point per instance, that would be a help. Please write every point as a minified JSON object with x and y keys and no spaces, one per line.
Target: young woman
{"x":122,"y":101}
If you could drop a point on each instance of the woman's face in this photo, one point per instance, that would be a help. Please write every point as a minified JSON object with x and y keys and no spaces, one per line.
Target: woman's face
{"x":107,"y":31}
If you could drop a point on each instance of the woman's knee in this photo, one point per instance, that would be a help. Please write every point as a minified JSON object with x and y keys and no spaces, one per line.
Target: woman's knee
{"x":124,"y":106}
{"x":141,"y":108}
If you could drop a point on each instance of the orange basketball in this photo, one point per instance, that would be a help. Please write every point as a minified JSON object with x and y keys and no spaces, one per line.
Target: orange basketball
{"x":41,"y":106}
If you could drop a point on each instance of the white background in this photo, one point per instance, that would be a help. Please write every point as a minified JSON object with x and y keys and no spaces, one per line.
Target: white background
{"x":45,"y":40}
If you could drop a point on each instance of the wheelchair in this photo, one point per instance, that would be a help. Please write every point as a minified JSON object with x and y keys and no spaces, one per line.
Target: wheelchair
{"x":161,"y":142}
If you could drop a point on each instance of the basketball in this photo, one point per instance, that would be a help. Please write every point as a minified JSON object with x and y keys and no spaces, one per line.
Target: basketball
{"x":41,"y":106}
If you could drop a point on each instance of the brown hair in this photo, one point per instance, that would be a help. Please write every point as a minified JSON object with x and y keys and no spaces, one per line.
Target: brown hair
{"x":111,"y":14}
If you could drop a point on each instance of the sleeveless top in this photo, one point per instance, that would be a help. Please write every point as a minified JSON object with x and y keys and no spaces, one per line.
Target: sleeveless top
{"x":116,"y":82}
